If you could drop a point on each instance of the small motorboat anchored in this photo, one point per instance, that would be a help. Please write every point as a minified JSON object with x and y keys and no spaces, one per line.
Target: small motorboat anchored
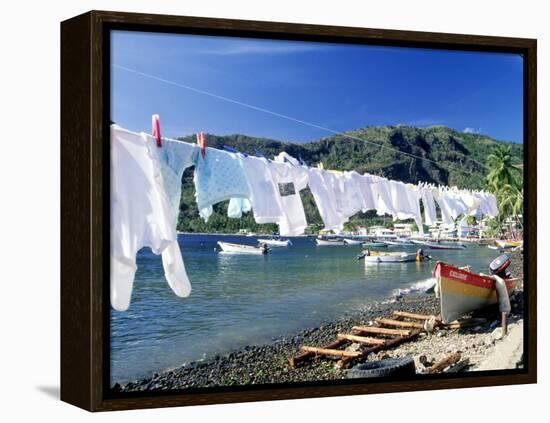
{"x":330,"y":242}
{"x":461,"y":291}
{"x":401,"y":242}
{"x":272,"y":242}
{"x":392,"y":257}
{"x":230,"y":248}
{"x":441,"y":246}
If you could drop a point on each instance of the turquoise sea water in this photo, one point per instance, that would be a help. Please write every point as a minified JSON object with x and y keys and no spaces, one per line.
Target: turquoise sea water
{"x":238,"y":300}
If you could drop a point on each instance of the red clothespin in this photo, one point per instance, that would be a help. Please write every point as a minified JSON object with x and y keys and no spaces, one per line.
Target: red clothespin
{"x":201,"y":142}
{"x":155,"y":124}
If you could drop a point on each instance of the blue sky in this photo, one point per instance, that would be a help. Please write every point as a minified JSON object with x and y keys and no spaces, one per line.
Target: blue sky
{"x":340,"y":87}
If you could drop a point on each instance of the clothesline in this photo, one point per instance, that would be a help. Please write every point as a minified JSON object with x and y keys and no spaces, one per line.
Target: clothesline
{"x":146,"y":184}
{"x":420,"y":184}
{"x":287,"y":117}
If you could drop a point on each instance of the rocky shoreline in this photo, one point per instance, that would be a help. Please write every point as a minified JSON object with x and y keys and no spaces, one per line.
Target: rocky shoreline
{"x":266,"y":364}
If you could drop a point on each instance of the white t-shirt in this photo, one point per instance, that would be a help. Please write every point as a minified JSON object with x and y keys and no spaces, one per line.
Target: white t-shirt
{"x":366,"y":184}
{"x":430,"y":215}
{"x":263,"y":192}
{"x":142,"y":215}
{"x":322,"y":186}
{"x":382,"y":188}
{"x":355,"y":187}
{"x":289,"y":180}
{"x":293,"y":221}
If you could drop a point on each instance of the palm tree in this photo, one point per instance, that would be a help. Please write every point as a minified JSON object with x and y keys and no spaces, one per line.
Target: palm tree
{"x":504,"y":180}
{"x":501,"y":170}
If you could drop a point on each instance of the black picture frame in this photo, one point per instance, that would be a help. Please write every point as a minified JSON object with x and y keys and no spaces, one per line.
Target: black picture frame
{"x":85,"y":114}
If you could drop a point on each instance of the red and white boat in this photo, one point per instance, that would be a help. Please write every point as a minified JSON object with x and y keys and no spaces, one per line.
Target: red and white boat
{"x":461,"y":291}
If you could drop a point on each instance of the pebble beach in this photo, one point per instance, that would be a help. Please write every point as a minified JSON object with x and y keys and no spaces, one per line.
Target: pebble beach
{"x":482,"y":347}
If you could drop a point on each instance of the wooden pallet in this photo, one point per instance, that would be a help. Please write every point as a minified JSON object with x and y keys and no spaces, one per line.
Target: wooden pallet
{"x":386,"y":333}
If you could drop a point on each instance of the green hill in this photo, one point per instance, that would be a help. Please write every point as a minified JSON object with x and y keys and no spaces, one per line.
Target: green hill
{"x":452,"y":158}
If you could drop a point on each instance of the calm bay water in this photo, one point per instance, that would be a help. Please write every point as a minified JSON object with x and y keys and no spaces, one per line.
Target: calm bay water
{"x":239,"y":300}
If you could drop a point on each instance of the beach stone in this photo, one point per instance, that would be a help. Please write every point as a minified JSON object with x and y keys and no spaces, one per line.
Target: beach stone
{"x":496,"y":335}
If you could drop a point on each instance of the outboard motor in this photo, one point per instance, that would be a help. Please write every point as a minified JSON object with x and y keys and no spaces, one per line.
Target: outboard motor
{"x":499,"y":267}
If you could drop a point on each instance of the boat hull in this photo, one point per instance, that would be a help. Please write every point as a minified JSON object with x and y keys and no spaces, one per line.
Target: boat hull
{"x":444,"y":247}
{"x":508,"y":244}
{"x":399,"y":243}
{"x":462,"y":292}
{"x":390,"y":258}
{"x":275,"y":242}
{"x":230,"y":248}
{"x":326,"y":243}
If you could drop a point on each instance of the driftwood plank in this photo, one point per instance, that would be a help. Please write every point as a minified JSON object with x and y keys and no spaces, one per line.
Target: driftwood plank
{"x":389,"y":344}
{"x":399,"y":323}
{"x":294,"y":361}
{"x":384,"y":331}
{"x":362,"y":339}
{"x":415,"y":316}
{"x":331,"y":352}
{"x":445,"y":362}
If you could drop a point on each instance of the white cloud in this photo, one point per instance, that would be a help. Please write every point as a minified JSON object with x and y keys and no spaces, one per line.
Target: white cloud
{"x":471,"y":130}
{"x":264,"y":48}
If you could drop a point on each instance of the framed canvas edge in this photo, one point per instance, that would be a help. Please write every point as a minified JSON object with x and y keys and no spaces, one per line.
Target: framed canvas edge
{"x":83,"y":202}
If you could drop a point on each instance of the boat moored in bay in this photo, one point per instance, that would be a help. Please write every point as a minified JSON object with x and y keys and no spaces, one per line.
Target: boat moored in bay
{"x":275,"y":242}
{"x":330,"y":242}
{"x":228,"y":247}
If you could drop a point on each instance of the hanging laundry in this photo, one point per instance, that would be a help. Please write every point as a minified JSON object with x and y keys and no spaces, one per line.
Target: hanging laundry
{"x":430,"y":216}
{"x":444,"y":207}
{"x":382,"y":189}
{"x":456,"y":201}
{"x":175,"y":157}
{"x":488,"y":203}
{"x":451,"y":203}
{"x":322,"y":185}
{"x":414,"y":197}
{"x":366,"y":184}
{"x":263,"y":193}
{"x":238,"y":206}
{"x":406,"y":203}
{"x":347,"y":195}
{"x":142,"y":215}
{"x":219,"y":176}
{"x":354,"y":191}
{"x":289,"y":180}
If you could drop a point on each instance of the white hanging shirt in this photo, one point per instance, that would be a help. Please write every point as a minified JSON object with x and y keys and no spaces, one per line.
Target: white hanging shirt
{"x":446,"y":216}
{"x":322,"y":185}
{"x":430,"y":216}
{"x":382,"y":189}
{"x":369,"y":194}
{"x":264,"y":197}
{"x":490,"y":204}
{"x":357,"y":193}
{"x":142,"y":215}
{"x":289,"y":179}
{"x":406,"y":202}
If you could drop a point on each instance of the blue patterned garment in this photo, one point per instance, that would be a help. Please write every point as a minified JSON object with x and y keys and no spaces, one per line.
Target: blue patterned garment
{"x":219,"y":176}
{"x":175,"y":157}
